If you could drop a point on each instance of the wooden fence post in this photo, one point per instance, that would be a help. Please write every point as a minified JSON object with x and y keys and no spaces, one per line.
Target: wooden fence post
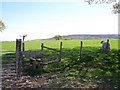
{"x":23,"y":46}
{"x":18,"y":56}
{"x":60,"y":51}
{"x":42,"y":52}
{"x":107,"y":46}
{"x":81,"y":44}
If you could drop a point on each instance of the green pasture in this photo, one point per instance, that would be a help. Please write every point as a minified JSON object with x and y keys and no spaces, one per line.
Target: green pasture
{"x":69,"y":44}
{"x":93,"y":68}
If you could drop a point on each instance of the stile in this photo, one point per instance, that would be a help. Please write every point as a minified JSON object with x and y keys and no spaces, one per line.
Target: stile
{"x":37,"y":57}
{"x":8,"y":64}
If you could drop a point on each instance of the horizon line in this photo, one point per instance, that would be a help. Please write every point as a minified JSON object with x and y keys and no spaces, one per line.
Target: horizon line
{"x":61,"y":35}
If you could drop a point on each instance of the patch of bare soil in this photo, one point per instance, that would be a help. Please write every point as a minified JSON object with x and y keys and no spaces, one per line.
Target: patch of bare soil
{"x":48,"y":80}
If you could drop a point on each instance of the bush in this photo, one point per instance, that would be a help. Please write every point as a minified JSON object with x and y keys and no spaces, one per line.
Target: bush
{"x":31,"y":71}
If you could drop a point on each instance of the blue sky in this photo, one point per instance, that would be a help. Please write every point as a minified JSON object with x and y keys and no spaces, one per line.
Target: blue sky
{"x":49,"y":18}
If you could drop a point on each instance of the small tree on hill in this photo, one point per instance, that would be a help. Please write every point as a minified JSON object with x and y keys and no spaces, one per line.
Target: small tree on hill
{"x":58,"y":37}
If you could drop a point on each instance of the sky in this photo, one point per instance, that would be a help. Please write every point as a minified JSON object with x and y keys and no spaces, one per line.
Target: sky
{"x":46,"y":18}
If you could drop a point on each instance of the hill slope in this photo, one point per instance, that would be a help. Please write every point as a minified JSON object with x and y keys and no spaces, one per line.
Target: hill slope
{"x":89,"y":36}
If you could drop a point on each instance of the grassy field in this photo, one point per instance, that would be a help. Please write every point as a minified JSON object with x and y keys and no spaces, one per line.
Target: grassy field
{"x":94,"y":69}
{"x":36,"y":44}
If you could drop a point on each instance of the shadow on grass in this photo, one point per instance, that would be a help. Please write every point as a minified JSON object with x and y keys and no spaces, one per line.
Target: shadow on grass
{"x":100,"y":70}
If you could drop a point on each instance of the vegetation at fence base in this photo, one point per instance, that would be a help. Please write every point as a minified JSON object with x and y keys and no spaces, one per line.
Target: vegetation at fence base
{"x":31,"y":71}
{"x":100,"y":68}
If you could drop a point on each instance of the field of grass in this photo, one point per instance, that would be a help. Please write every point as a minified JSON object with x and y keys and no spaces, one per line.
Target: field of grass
{"x":36,"y":44}
{"x":93,"y":69}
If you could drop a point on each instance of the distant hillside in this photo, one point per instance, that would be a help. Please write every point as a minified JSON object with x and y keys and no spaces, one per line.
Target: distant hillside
{"x":89,"y":36}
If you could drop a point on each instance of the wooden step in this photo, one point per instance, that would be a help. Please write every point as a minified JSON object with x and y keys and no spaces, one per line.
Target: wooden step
{"x":8,"y":56}
{"x":11,"y":74}
{"x":8,"y":68}
{"x":0,"y":84}
{"x":8,"y":71}
{"x":8,"y":61}
{"x":7,"y":51}
{"x":8,"y":65}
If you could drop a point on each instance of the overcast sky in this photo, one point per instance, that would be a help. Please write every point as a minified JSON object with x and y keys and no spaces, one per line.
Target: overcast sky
{"x":46,"y":19}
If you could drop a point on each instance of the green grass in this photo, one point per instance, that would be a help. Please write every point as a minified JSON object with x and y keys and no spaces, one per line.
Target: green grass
{"x":94,"y":66}
{"x":36,"y":44}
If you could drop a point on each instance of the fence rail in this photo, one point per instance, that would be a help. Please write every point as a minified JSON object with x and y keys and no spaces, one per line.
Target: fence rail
{"x":31,"y":54}
{"x":49,"y":62}
{"x":8,"y":56}
{"x":8,"y":61}
{"x":51,"y":49}
{"x":7,"y":51}
{"x":42,"y":50}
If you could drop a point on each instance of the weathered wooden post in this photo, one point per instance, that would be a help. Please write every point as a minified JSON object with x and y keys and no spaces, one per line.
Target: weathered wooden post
{"x":23,"y":46}
{"x":107,"y":47}
{"x":60,"y":52}
{"x":81,"y":44}
{"x":23,"y":43}
{"x":18,"y":56}
{"x":42,"y":53}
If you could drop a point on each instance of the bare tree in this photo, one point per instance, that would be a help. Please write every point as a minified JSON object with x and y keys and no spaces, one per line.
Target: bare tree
{"x":100,"y":1}
{"x":116,"y":6}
